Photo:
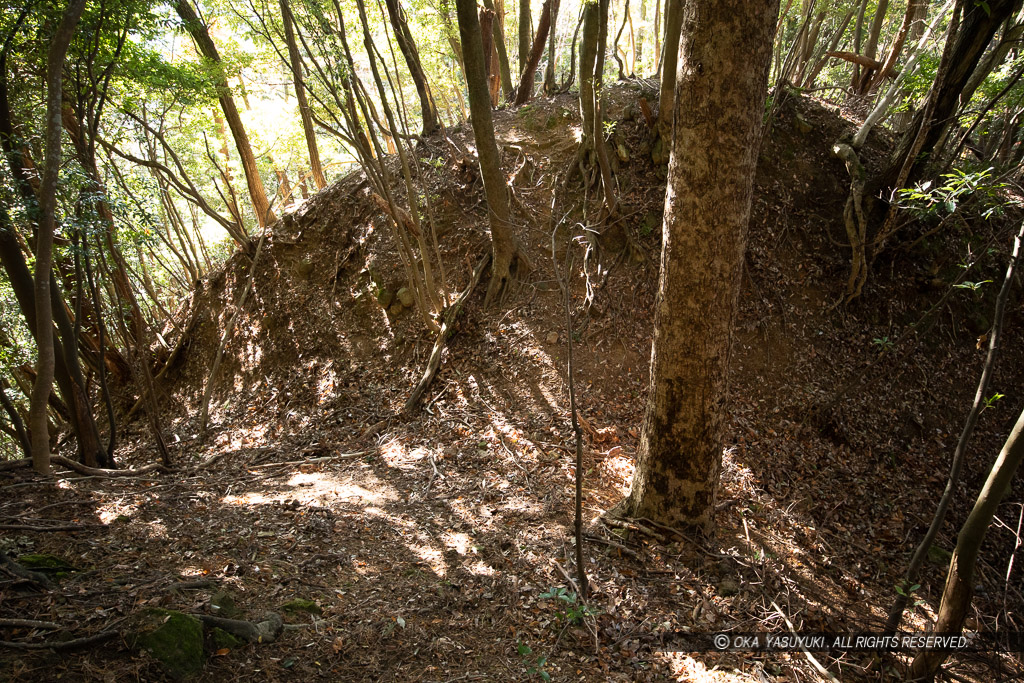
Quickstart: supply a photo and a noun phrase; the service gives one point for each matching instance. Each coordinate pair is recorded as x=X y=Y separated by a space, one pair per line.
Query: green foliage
x=931 y=199
x=883 y=343
x=534 y=665
x=991 y=400
x=573 y=610
x=972 y=286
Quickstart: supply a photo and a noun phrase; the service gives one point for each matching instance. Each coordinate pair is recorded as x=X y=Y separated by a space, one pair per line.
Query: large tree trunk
x=977 y=26
x=43 y=385
x=295 y=62
x=721 y=87
x=956 y=597
x=406 y=43
x=503 y=245
x=525 y=90
x=201 y=36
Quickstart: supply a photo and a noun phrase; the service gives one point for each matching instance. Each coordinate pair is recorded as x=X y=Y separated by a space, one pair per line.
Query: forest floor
x=435 y=548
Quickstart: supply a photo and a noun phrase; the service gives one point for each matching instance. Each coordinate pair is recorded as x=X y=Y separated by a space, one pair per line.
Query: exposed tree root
x=85 y=470
x=855 y=219
x=447 y=328
x=265 y=631
x=17 y=570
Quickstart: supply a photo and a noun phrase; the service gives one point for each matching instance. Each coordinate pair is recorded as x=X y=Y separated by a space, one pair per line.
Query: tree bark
x=721 y=87
x=503 y=246
x=406 y=43
x=295 y=62
x=43 y=385
x=525 y=90
x=201 y=36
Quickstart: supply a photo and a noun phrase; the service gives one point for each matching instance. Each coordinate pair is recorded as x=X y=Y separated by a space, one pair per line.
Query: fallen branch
x=447 y=329
x=856 y=59
x=810 y=658
x=29 y=623
x=310 y=461
x=58 y=527
x=597 y=539
x=65 y=645
x=15 y=464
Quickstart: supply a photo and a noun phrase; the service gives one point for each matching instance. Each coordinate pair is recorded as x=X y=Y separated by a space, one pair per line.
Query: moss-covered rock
x=385 y=297
x=223 y=603
x=222 y=640
x=298 y=605
x=172 y=638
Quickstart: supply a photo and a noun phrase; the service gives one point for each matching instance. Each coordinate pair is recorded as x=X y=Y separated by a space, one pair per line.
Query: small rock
x=620 y=149
x=396 y=308
x=727 y=587
x=305 y=269
x=552 y=338
x=405 y=296
x=385 y=297
x=802 y=124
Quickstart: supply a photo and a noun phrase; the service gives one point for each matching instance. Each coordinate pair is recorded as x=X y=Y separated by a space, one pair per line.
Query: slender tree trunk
x=201 y=36
x=295 y=62
x=525 y=31
x=525 y=90
x=43 y=385
x=914 y=8
x=550 y=82
x=871 y=48
x=913 y=150
x=17 y=425
x=956 y=597
x=499 y=55
x=406 y=43
x=723 y=75
x=1010 y=39
x=503 y=245
x=673 y=27
x=858 y=35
